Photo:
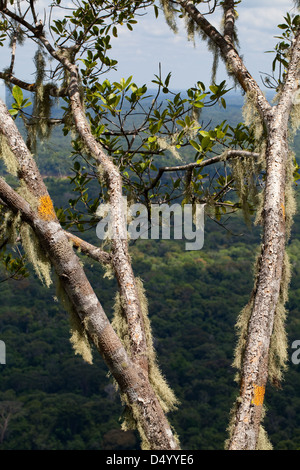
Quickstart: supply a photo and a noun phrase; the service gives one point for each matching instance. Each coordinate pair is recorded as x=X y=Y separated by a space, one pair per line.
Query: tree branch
x=130 y=376
x=229 y=20
x=234 y=62
x=227 y=155
x=88 y=249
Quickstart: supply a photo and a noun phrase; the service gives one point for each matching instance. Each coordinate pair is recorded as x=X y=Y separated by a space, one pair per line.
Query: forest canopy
x=155 y=149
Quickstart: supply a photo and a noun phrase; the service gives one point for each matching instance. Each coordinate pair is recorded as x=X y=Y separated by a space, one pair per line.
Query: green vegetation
x=51 y=399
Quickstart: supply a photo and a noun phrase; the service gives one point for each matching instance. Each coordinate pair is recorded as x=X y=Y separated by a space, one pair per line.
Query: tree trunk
x=254 y=374
x=131 y=378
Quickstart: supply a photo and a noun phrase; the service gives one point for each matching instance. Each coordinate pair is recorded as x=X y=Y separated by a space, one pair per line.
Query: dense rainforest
x=51 y=399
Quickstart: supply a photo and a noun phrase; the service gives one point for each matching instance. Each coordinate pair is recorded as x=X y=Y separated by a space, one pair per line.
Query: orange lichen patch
x=259 y=393
x=283 y=210
x=46 y=209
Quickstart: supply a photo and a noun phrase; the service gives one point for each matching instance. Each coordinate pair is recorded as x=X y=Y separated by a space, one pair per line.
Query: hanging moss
x=8 y=157
x=278 y=350
x=165 y=395
x=165 y=144
x=35 y=254
x=169 y=12
x=290 y=199
x=263 y=442
x=278 y=354
x=10 y=226
x=38 y=126
x=245 y=172
x=253 y=120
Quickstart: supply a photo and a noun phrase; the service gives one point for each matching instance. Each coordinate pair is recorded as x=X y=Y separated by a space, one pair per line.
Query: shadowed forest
x=51 y=399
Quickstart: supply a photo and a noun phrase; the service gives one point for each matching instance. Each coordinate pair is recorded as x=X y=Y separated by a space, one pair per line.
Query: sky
x=152 y=42
x=139 y=52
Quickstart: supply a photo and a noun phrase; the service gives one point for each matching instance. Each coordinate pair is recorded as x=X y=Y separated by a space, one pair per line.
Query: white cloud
x=152 y=42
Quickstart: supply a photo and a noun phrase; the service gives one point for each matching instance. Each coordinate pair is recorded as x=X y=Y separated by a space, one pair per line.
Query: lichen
x=165 y=395
x=278 y=352
x=170 y=146
x=263 y=442
x=35 y=254
x=245 y=172
x=169 y=12
x=10 y=226
x=45 y=208
x=26 y=194
x=8 y=157
x=259 y=395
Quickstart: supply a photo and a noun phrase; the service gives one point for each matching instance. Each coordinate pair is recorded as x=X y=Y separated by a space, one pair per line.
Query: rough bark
x=121 y=259
x=255 y=364
x=254 y=372
x=130 y=376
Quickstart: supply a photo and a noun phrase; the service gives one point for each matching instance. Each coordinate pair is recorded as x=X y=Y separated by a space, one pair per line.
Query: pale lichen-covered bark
x=39 y=214
x=129 y=368
x=256 y=356
x=254 y=374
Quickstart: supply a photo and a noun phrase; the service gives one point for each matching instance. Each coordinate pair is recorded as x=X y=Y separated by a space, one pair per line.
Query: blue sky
x=152 y=42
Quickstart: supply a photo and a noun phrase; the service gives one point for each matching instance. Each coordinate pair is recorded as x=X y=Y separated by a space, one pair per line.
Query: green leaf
x=195 y=145
x=17 y=94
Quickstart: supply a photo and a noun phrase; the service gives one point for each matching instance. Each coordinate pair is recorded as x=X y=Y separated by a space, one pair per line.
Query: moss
x=278 y=350
x=165 y=395
x=169 y=13
x=263 y=442
x=27 y=195
x=253 y=120
x=38 y=126
x=119 y=323
x=131 y=421
x=8 y=157
x=290 y=199
x=245 y=172
x=242 y=329
x=278 y=353
x=35 y=254
x=166 y=145
x=10 y=226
